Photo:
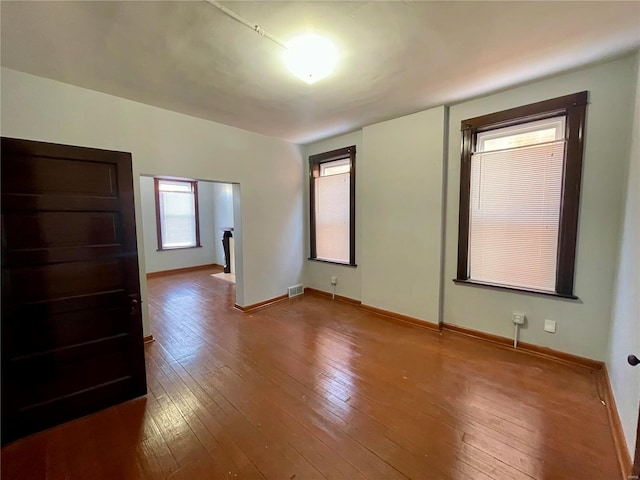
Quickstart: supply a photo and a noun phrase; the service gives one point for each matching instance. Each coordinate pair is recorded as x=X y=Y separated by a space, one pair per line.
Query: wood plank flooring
x=310 y=388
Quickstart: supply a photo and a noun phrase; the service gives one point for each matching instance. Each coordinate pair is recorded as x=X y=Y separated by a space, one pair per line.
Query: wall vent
x=295 y=290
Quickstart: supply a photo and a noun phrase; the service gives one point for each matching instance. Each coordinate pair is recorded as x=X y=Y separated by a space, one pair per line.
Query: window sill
x=177 y=248
x=475 y=283
x=344 y=264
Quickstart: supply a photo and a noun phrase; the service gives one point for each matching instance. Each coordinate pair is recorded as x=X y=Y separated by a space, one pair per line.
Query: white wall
x=222 y=216
x=318 y=274
x=159 y=261
x=401 y=198
x=583 y=326
x=268 y=170
x=625 y=316
x=237 y=235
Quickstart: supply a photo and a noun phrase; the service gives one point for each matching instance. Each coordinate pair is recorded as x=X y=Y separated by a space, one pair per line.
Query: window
x=332 y=182
x=177 y=213
x=519 y=196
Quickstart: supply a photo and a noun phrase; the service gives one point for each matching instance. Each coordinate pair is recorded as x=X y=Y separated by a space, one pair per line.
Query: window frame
x=573 y=107
x=194 y=188
x=315 y=161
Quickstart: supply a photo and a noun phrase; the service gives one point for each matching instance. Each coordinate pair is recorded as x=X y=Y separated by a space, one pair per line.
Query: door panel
x=51 y=175
x=44 y=230
x=54 y=281
x=61 y=372
x=71 y=326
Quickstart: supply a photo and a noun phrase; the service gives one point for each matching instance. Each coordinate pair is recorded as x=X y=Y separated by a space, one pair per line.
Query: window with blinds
x=516 y=192
x=332 y=185
x=519 y=196
x=177 y=214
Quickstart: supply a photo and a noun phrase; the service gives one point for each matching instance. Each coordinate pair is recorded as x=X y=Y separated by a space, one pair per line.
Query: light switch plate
x=550 y=326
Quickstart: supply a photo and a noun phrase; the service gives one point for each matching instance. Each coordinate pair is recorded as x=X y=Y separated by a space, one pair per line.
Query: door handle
x=633 y=360
x=134 y=304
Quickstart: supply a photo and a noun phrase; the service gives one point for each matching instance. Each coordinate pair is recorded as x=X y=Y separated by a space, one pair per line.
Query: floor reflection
x=106 y=445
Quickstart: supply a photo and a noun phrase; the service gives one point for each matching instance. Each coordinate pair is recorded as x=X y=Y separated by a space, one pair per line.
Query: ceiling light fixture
x=309 y=57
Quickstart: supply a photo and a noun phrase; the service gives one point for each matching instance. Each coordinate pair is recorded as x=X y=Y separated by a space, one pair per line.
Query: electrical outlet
x=334 y=280
x=517 y=318
x=550 y=326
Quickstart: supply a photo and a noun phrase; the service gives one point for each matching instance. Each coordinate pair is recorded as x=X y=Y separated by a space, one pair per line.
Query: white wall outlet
x=550 y=326
x=517 y=318
x=334 y=280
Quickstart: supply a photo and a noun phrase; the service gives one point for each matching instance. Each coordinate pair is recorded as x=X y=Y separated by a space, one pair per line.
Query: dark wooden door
x=71 y=324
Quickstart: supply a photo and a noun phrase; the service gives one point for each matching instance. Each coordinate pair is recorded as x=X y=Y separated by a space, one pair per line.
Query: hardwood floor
x=310 y=388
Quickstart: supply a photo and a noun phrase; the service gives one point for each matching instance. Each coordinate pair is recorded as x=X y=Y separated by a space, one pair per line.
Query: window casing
x=519 y=196
x=332 y=180
x=177 y=218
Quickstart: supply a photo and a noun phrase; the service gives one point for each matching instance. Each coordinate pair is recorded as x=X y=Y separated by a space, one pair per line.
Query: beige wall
x=625 y=315
x=269 y=248
x=398 y=207
x=401 y=198
x=583 y=325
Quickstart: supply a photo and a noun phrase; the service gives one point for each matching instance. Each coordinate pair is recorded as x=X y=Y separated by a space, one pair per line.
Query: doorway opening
x=192 y=224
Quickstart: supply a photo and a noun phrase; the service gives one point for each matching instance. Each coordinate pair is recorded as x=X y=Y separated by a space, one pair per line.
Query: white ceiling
x=398 y=57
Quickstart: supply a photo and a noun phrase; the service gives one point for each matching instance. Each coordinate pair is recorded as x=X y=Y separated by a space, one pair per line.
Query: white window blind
x=177 y=213
x=332 y=210
x=515 y=197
